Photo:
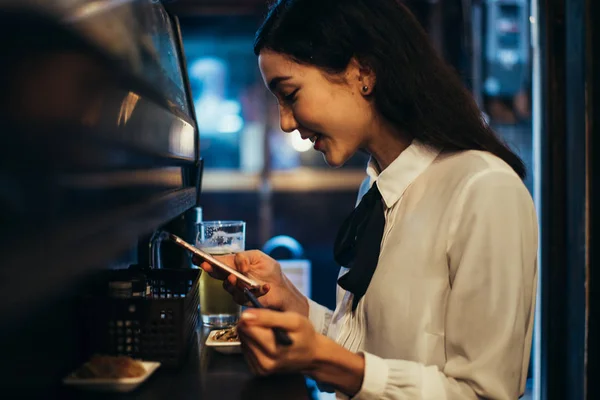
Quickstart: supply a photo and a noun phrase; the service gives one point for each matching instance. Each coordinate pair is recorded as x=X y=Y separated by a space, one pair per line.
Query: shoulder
x=474 y=170
x=486 y=188
x=477 y=184
x=472 y=162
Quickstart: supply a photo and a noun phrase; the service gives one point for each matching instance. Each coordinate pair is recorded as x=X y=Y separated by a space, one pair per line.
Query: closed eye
x=290 y=98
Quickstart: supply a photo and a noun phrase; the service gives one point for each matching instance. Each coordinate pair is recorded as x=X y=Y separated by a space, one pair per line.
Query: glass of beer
x=217 y=308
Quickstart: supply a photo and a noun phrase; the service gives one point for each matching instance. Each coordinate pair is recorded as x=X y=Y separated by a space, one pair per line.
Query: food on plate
x=227 y=335
x=110 y=367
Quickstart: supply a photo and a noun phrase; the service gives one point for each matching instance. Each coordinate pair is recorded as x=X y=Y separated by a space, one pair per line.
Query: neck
x=386 y=144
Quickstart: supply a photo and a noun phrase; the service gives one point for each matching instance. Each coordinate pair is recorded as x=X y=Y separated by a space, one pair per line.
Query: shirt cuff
x=319 y=316
x=375 y=379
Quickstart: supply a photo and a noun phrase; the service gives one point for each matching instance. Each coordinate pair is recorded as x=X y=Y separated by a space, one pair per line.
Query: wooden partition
x=99 y=149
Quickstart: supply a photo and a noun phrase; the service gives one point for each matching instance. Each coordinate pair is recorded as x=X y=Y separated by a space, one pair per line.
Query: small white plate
x=223 y=347
x=121 y=385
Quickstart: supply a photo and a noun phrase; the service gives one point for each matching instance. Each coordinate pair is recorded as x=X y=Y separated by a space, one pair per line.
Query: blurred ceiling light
x=230 y=123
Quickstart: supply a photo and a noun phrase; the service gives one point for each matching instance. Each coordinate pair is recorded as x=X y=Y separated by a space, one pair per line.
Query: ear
x=362 y=75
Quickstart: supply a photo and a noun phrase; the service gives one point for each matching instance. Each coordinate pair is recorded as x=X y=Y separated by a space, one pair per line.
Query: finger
x=213 y=272
x=251 y=360
x=256 y=291
x=243 y=299
x=238 y=297
x=228 y=288
x=263 y=363
x=232 y=279
x=260 y=340
x=256 y=256
x=242 y=262
x=240 y=286
x=264 y=289
x=207 y=267
x=289 y=321
x=197 y=260
x=226 y=258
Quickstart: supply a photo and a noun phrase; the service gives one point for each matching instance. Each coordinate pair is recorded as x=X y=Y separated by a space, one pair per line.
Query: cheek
x=312 y=112
x=336 y=116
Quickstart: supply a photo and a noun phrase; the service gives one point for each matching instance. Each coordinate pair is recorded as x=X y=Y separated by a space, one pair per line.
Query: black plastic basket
x=160 y=328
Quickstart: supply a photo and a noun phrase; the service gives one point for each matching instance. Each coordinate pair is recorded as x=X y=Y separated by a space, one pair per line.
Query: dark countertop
x=208 y=375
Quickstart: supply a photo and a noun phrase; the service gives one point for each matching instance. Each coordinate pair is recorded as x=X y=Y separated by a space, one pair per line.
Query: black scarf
x=358 y=243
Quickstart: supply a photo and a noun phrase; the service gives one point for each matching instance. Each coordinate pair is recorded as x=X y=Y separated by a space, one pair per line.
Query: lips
x=318 y=143
x=316 y=139
x=312 y=138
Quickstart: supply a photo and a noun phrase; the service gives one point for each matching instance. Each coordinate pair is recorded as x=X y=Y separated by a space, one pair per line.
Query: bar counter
x=208 y=375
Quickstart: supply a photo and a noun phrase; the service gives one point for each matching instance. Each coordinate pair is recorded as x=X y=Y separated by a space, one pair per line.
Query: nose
x=286 y=120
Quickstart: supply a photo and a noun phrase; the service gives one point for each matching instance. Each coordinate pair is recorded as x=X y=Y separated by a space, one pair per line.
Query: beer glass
x=217 y=308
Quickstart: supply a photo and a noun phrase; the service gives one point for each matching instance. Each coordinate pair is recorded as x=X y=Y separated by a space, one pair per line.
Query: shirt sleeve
x=492 y=261
x=319 y=316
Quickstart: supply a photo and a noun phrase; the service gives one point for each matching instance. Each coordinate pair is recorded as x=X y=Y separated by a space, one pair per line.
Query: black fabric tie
x=358 y=243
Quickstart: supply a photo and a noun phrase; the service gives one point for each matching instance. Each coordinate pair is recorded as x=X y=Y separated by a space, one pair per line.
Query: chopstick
x=281 y=336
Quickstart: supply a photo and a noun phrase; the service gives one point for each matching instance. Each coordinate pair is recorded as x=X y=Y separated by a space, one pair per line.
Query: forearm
x=337 y=367
x=366 y=376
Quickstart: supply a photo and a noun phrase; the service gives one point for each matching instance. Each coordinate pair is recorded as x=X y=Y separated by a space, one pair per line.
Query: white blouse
x=449 y=311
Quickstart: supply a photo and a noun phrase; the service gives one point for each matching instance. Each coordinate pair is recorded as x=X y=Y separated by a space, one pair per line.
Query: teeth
x=314 y=138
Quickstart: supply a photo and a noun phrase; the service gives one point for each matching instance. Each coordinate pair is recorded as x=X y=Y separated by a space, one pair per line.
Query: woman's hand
x=310 y=353
x=264 y=355
x=277 y=291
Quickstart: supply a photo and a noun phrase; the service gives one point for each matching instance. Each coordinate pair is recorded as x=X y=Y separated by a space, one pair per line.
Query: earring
x=365 y=89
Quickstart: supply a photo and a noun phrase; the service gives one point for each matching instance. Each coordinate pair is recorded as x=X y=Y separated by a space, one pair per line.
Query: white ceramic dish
x=122 y=385
x=223 y=347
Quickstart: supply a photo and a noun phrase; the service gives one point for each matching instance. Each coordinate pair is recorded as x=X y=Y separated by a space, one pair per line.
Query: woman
x=439 y=297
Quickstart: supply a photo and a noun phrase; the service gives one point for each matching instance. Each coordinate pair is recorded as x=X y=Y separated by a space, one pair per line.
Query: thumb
x=289 y=321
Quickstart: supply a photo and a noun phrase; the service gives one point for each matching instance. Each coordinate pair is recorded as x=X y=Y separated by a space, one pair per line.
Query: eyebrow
x=276 y=81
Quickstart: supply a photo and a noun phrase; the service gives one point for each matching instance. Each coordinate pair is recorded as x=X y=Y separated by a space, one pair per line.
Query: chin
x=335 y=161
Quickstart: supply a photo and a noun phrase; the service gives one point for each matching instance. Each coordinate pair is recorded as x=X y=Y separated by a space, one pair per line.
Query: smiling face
x=334 y=112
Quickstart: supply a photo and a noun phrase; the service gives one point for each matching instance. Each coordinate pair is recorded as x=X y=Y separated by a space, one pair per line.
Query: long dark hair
x=415 y=89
